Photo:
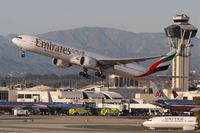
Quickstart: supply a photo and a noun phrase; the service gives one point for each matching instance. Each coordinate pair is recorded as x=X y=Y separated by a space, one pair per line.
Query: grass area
x=108 y=127
x=4 y=130
x=21 y=118
x=89 y=126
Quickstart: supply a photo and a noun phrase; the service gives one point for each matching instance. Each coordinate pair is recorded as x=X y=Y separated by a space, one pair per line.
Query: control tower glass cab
x=181 y=19
x=180 y=34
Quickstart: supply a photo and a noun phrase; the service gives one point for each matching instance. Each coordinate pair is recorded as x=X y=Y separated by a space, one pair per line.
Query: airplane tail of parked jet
x=159 y=94
x=176 y=95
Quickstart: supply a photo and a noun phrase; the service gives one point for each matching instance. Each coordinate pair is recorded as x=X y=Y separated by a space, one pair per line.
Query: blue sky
x=40 y=16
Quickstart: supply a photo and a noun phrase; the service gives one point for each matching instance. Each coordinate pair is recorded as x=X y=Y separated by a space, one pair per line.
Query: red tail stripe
x=154 y=66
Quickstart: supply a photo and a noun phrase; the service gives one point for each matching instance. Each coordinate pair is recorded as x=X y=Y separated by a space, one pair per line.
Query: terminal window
x=28 y=96
x=175 y=42
x=20 y=96
x=4 y=95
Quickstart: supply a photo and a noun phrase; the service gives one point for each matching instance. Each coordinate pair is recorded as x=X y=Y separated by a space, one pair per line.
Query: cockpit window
x=19 y=37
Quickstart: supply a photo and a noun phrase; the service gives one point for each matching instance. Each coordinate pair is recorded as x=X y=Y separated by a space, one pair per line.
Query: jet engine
x=60 y=63
x=85 y=61
x=88 y=61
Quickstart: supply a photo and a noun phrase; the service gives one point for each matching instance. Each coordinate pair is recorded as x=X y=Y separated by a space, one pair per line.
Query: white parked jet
x=184 y=122
x=65 y=56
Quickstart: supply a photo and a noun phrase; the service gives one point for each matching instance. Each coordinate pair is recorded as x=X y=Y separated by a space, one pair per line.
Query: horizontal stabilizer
x=170 y=76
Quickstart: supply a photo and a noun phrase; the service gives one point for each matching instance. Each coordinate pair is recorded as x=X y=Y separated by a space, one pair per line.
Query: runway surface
x=75 y=124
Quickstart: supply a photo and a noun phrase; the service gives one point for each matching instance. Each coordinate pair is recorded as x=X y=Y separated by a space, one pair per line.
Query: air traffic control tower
x=180 y=34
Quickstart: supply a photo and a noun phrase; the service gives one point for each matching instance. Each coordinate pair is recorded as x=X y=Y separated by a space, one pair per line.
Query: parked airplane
x=9 y=106
x=173 y=104
x=42 y=106
x=65 y=56
x=186 y=123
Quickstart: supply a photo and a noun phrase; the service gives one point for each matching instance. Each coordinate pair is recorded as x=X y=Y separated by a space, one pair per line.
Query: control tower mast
x=180 y=34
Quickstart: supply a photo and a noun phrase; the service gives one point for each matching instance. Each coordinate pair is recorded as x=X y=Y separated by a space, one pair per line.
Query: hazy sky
x=40 y=16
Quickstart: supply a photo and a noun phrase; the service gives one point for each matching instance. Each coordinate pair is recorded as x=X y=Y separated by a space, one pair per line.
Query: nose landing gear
x=22 y=54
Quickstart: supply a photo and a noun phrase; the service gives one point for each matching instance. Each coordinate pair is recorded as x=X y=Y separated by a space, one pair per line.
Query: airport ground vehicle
x=78 y=111
x=139 y=112
x=21 y=112
x=112 y=112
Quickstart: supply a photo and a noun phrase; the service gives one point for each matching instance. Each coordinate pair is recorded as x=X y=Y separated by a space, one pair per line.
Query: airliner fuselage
x=66 y=56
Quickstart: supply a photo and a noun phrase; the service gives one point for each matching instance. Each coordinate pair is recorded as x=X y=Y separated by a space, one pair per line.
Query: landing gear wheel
x=84 y=74
x=87 y=76
x=100 y=74
x=81 y=73
x=22 y=54
x=103 y=76
x=97 y=74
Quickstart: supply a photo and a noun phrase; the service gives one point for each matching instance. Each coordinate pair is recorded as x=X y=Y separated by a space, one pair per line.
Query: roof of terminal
x=93 y=95
x=40 y=88
x=72 y=94
x=4 y=88
x=112 y=95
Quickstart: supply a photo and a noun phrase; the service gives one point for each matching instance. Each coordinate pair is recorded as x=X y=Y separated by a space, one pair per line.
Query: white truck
x=21 y=112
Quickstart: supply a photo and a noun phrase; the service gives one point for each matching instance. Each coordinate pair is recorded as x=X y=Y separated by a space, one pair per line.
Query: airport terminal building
x=98 y=95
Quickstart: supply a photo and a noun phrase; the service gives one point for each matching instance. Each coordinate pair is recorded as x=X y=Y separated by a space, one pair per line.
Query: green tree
x=197 y=100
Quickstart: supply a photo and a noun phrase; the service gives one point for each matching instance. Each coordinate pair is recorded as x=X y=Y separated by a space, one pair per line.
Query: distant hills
x=107 y=41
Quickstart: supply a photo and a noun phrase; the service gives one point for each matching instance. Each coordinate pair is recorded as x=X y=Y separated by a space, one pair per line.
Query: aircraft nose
x=144 y=123
x=14 y=40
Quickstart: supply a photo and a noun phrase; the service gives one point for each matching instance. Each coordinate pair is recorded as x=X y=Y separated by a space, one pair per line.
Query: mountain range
x=106 y=41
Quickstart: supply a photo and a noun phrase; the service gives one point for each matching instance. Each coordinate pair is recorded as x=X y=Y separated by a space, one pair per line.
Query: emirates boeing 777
x=65 y=56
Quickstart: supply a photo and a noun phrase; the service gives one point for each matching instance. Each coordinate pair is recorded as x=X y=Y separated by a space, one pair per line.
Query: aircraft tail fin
x=176 y=95
x=161 y=65
x=159 y=94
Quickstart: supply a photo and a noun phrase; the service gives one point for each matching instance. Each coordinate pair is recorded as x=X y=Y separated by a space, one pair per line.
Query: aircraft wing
x=195 y=109
x=127 y=60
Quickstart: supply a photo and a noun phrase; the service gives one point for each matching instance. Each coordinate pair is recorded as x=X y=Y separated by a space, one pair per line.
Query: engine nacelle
x=85 y=61
x=60 y=63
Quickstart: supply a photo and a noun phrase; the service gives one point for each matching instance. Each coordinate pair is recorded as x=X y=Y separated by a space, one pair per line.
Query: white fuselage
x=185 y=122
x=67 y=54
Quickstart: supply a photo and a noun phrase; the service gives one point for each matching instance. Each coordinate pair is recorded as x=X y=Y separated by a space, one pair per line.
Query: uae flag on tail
x=163 y=63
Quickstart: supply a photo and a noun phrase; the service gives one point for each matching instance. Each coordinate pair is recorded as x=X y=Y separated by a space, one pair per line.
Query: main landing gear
x=100 y=74
x=84 y=73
